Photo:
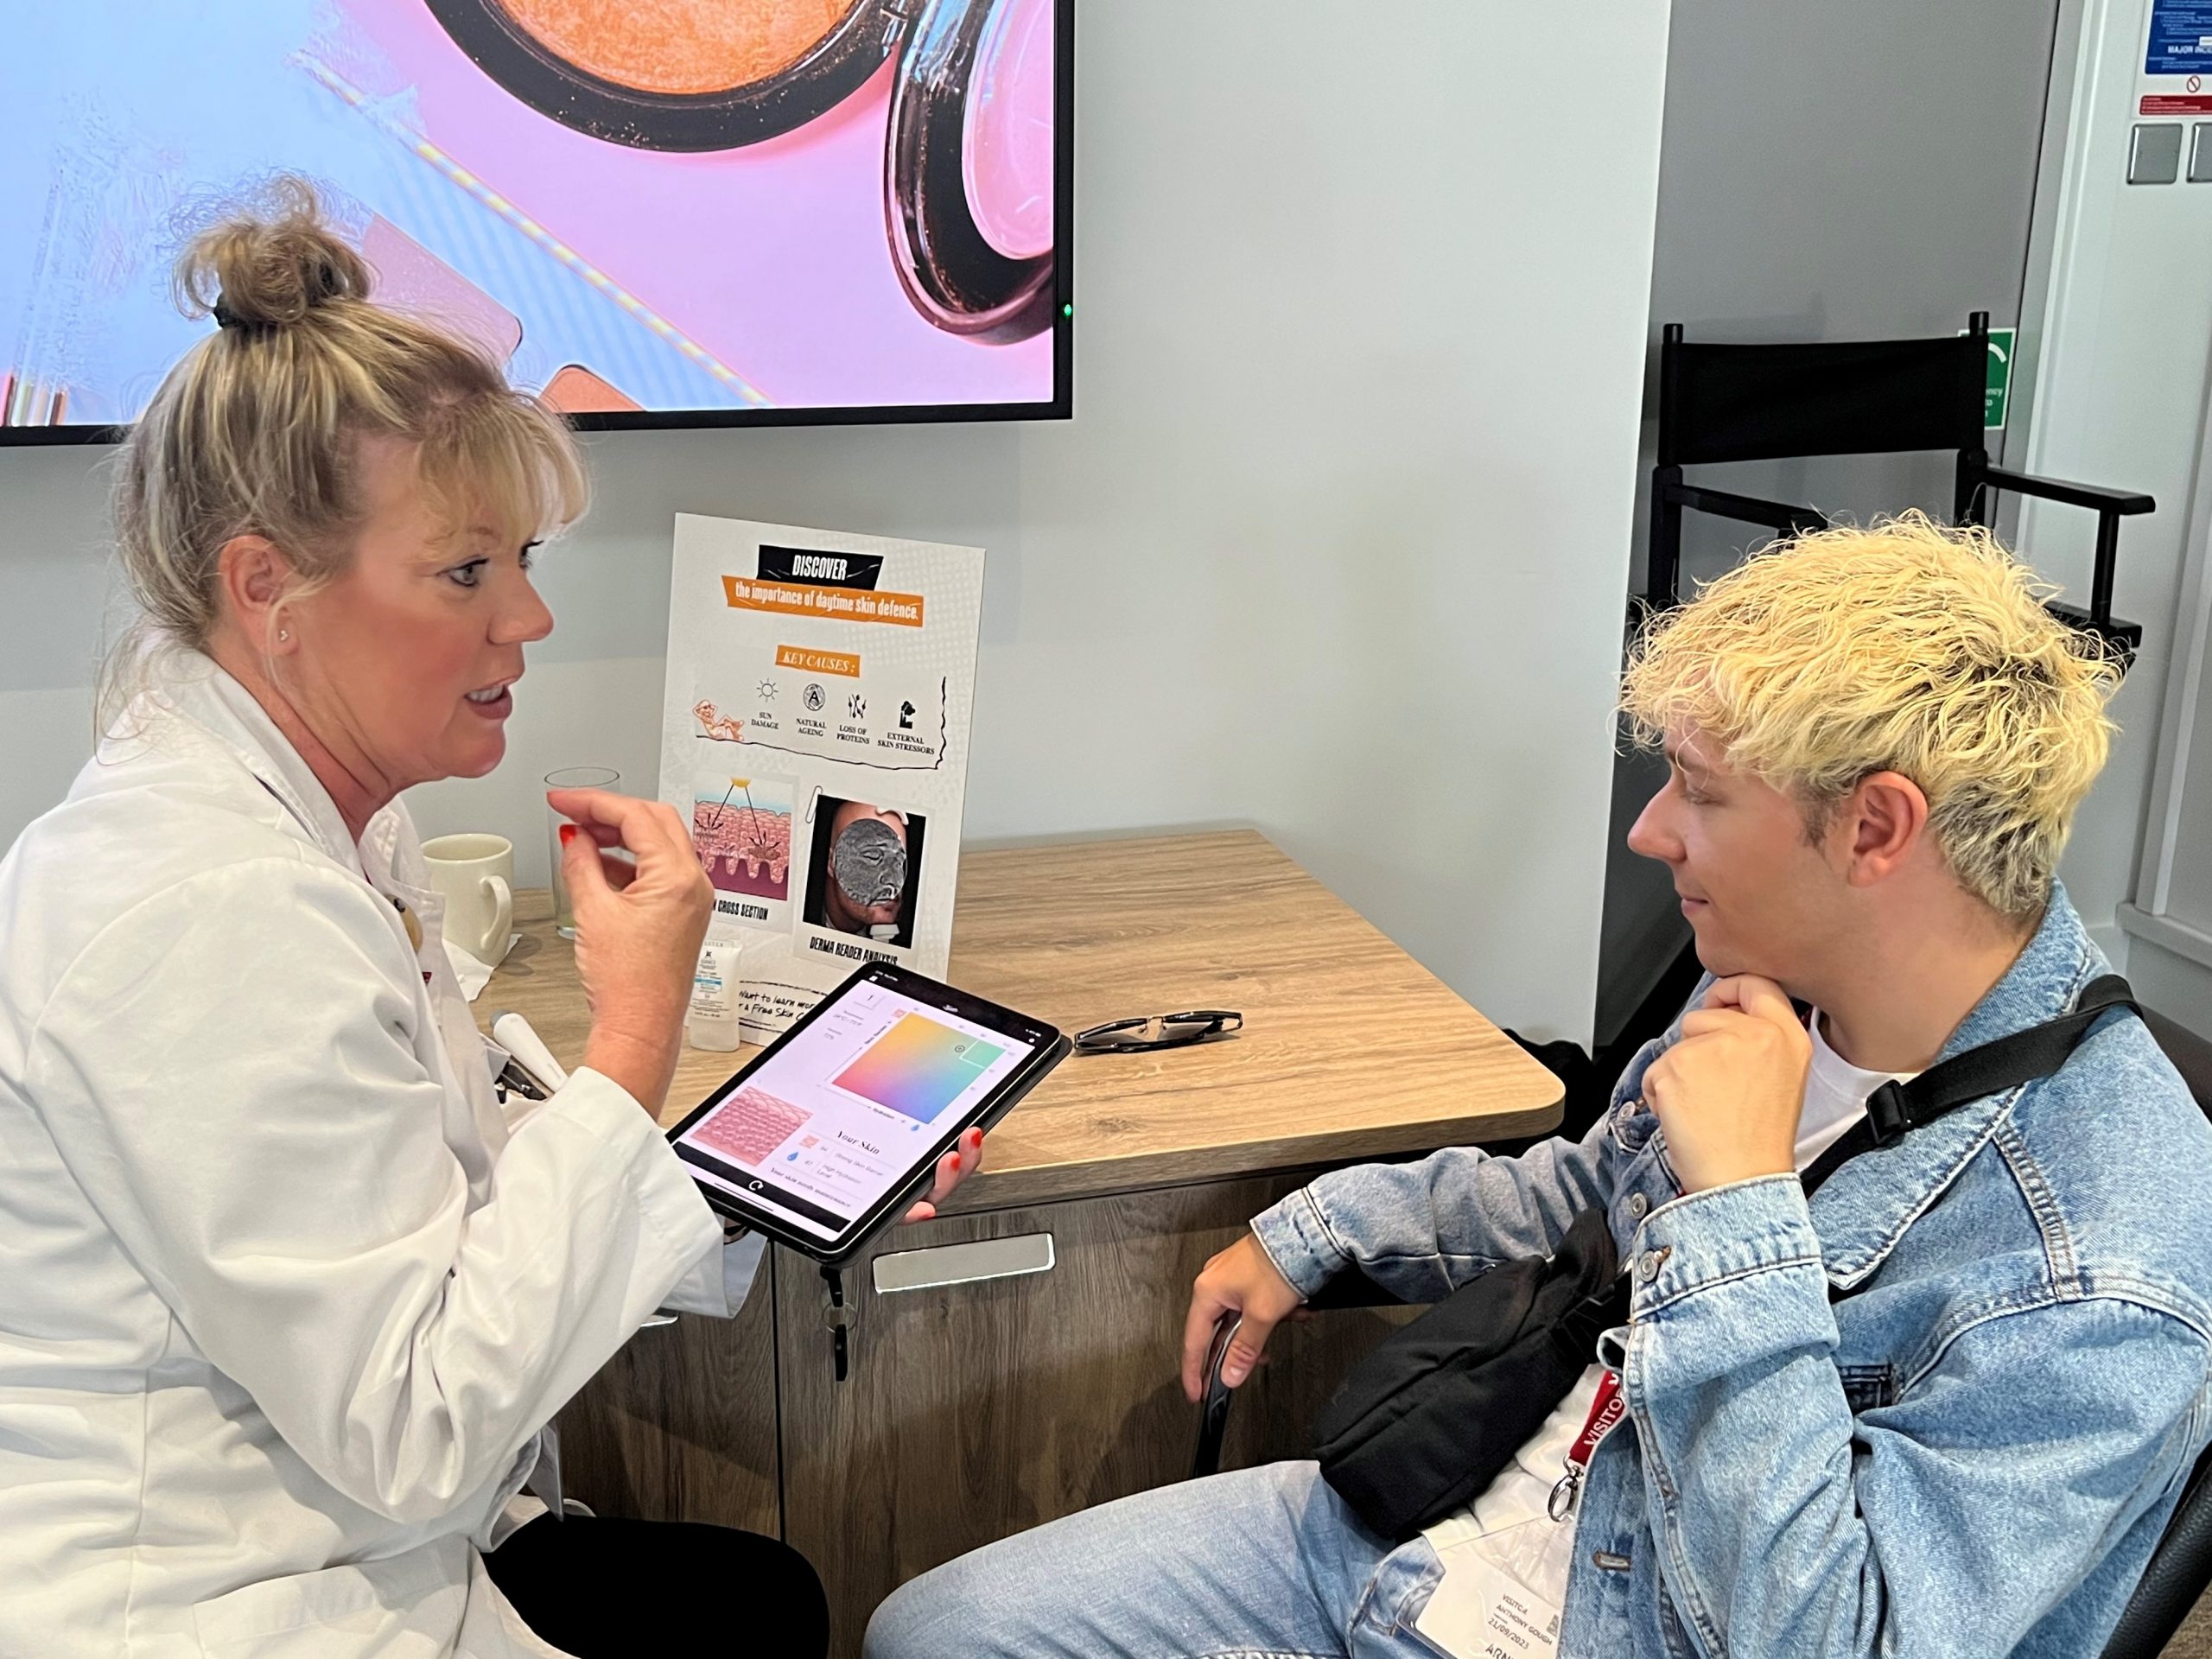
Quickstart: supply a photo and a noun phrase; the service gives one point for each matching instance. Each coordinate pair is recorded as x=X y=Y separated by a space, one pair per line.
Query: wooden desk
x=974 y=1410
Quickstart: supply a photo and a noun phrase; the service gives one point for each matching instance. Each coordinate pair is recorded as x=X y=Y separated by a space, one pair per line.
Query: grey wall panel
x=1826 y=172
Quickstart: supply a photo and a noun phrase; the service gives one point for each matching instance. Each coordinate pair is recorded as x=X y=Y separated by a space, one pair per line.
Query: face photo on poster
x=864 y=870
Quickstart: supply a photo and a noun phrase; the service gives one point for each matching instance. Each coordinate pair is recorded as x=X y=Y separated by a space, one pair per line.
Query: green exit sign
x=2000 y=380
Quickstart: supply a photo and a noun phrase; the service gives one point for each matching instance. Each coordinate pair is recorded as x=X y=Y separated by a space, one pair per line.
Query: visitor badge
x=1479 y=1610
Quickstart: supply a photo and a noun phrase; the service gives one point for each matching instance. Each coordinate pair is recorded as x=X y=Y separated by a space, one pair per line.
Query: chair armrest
x=2097 y=499
x=1750 y=509
x=2122 y=639
x=2110 y=506
x=1352 y=1290
x=1213 y=1405
x=1346 y=1290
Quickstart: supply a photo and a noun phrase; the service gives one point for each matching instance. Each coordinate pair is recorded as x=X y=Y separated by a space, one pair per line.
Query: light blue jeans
x=1261 y=1564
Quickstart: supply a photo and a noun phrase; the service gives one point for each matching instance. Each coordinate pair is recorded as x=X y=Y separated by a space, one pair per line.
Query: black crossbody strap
x=1895 y=1109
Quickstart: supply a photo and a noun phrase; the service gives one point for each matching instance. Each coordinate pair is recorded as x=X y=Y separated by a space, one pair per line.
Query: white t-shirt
x=1508 y=1527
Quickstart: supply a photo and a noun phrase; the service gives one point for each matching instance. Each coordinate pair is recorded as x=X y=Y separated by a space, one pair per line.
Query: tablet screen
x=844 y=1111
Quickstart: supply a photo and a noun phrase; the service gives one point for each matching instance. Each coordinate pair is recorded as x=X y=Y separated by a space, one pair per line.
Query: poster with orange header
x=814 y=734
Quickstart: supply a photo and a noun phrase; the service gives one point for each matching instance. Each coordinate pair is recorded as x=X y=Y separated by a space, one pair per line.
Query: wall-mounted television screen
x=686 y=212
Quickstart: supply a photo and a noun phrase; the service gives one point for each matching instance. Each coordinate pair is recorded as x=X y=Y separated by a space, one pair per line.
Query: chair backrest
x=1720 y=403
x=2190 y=1054
x=2181 y=1567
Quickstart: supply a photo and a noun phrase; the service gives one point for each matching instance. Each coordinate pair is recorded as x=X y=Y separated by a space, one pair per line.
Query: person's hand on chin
x=1728 y=1094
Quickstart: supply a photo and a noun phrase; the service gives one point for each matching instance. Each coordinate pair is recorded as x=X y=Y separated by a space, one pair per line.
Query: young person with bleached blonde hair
x=1944 y=1406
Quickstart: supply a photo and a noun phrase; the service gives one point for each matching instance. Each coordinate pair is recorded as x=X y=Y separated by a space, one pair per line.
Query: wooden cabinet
x=973 y=1410
x=968 y=1411
x=681 y=1424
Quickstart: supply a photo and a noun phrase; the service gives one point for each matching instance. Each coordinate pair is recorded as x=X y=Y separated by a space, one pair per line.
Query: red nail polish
x=568 y=833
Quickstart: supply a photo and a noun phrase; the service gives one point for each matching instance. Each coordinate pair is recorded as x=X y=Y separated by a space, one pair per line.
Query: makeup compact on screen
x=969 y=163
x=686 y=212
x=836 y=1127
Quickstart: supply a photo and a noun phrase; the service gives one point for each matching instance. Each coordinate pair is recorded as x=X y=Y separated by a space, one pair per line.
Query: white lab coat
x=284 y=1299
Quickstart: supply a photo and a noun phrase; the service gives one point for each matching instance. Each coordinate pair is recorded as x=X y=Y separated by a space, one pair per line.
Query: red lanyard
x=1605 y=1414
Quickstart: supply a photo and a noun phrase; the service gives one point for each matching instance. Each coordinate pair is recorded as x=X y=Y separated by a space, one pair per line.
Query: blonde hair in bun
x=256 y=429
x=269 y=269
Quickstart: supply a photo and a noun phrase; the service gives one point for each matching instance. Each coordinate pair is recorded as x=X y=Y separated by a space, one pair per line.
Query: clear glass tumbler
x=564 y=911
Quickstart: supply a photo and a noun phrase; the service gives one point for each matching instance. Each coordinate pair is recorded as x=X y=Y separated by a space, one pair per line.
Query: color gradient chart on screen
x=918 y=1067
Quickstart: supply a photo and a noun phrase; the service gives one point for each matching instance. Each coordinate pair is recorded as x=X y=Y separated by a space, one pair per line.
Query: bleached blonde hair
x=1905 y=647
x=256 y=430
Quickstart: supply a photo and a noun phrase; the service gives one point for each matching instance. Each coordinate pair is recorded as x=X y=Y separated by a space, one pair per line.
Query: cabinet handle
x=964 y=1264
x=834 y=1318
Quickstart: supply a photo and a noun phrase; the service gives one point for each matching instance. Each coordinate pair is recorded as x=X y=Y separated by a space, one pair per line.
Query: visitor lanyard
x=1605 y=1414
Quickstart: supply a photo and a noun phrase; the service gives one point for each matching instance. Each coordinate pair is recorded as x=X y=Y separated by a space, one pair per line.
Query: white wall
x=1335 y=545
x=2169 y=924
x=2128 y=338
x=2118 y=400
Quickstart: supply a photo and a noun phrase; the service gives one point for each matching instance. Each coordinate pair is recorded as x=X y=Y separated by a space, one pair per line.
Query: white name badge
x=1480 y=1612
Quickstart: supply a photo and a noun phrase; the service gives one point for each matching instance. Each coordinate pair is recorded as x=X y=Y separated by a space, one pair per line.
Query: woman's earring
x=283 y=634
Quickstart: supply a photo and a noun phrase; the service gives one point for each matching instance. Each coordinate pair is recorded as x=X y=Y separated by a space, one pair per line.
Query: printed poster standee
x=814 y=734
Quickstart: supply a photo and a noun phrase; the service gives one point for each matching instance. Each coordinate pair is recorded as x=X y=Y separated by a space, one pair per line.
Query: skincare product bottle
x=715 y=1024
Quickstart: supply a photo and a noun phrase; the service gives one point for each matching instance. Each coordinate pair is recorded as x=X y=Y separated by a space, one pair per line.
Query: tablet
x=834 y=1128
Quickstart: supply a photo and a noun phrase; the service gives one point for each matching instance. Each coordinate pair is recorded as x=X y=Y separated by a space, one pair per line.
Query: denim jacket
x=1971 y=1452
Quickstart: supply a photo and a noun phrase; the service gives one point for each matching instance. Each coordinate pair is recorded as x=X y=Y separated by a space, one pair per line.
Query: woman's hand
x=955 y=1167
x=639 y=930
x=1244 y=1280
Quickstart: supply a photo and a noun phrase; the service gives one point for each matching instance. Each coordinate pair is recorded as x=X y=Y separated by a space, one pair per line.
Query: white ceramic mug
x=475 y=875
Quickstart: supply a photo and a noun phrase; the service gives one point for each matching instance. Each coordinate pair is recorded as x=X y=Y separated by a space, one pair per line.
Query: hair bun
x=268 y=263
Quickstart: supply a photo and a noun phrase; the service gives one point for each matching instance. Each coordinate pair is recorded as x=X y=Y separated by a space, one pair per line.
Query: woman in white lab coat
x=286 y=1300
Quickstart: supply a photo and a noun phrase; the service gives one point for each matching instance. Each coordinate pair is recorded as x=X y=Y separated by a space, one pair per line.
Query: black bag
x=1427 y=1419
x=1422 y=1424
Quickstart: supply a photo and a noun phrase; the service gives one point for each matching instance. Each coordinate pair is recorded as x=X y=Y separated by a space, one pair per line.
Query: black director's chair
x=1847 y=397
